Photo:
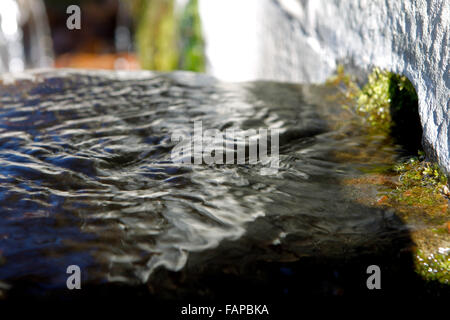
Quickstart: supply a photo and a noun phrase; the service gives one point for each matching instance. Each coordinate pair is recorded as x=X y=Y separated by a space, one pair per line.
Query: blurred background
x=115 y=34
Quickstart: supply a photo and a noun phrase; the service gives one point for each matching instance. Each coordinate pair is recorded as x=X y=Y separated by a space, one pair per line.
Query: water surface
x=86 y=178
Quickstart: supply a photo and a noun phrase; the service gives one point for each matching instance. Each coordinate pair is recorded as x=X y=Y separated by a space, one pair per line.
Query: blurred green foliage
x=156 y=34
x=168 y=40
x=192 y=46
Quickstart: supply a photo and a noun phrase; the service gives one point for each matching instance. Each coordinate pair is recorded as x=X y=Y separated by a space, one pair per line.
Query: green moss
x=434 y=267
x=417 y=172
x=373 y=100
x=441 y=230
x=420 y=186
x=387 y=103
x=349 y=89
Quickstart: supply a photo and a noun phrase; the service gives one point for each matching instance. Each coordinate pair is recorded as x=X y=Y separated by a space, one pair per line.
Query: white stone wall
x=303 y=40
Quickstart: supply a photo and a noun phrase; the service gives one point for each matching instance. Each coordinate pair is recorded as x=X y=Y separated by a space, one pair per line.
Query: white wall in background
x=232 y=34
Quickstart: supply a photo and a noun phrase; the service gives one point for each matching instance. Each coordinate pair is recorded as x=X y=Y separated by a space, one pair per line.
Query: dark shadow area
x=406 y=128
x=98 y=24
x=286 y=278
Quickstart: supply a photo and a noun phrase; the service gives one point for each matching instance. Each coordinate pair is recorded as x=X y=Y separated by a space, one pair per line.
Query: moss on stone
x=417 y=189
x=433 y=267
x=421 y=185
x=373 y=100
x=387 y=103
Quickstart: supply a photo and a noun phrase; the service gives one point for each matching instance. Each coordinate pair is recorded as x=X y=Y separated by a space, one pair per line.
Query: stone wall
x=303 y=40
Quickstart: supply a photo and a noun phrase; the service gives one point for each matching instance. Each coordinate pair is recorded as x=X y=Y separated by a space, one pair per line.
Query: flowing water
x=86 y=178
